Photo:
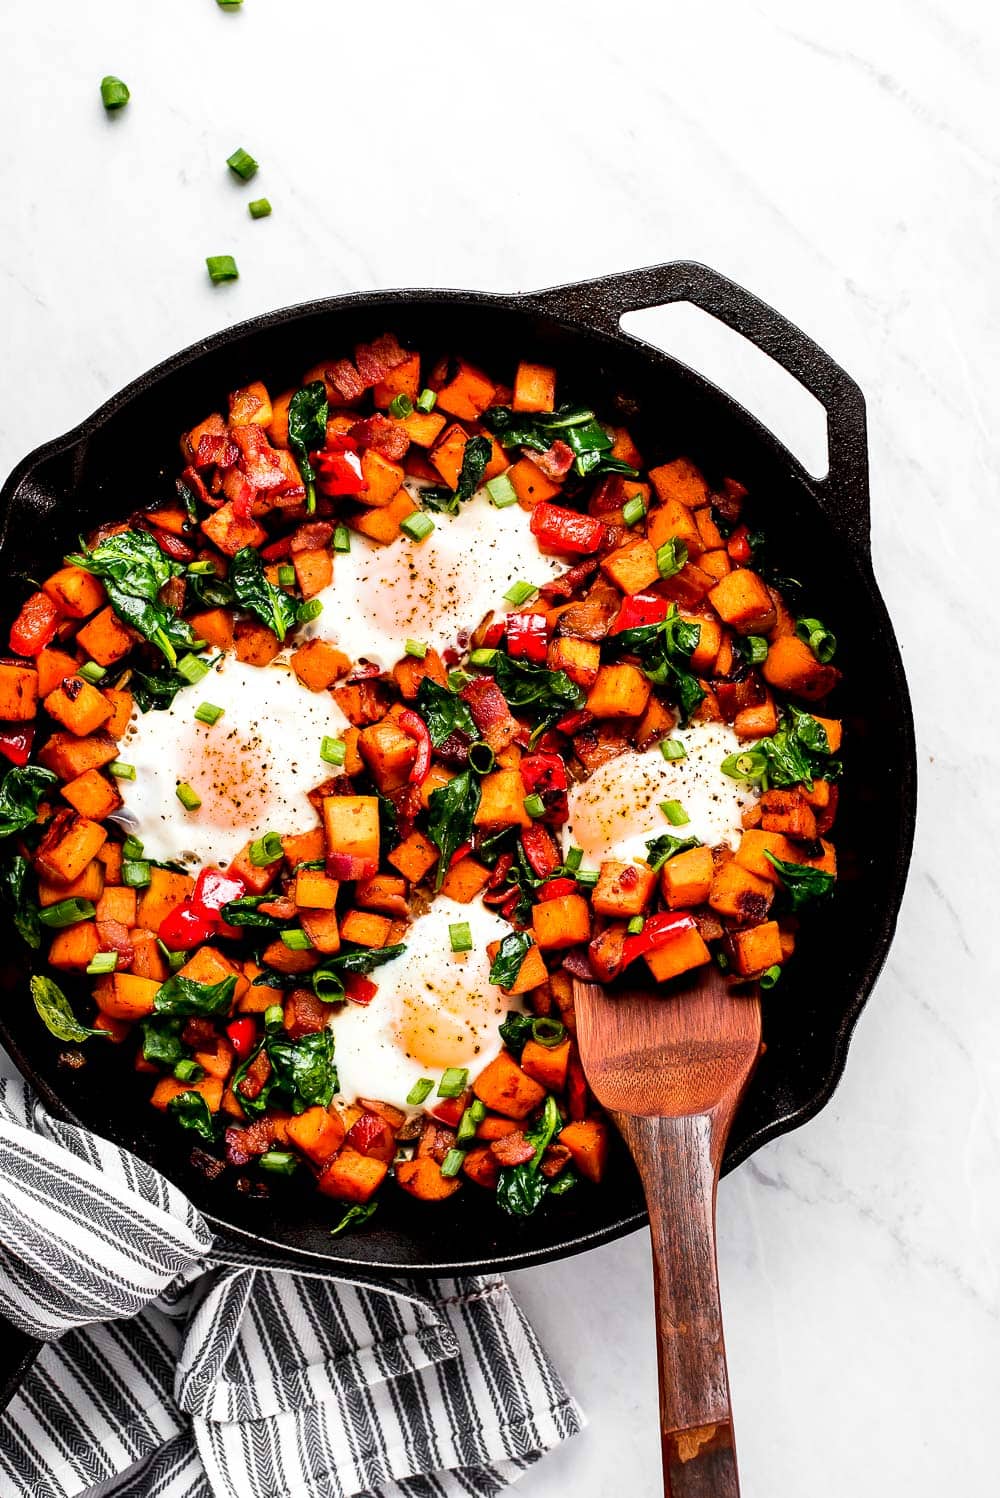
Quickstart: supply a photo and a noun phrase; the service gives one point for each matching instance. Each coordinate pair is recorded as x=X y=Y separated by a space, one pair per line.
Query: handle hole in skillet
x=743 y=371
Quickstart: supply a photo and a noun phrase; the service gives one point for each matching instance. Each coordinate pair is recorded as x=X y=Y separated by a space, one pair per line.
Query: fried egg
x=435 y=1008
x=252 y=769
x=617 y=810
x=430 y=590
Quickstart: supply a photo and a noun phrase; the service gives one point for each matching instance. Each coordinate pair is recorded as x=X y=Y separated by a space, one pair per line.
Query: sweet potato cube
x=76 y=592
x=105 y=639
x=502 y=801
x=167 y=1088
x=409 y=672
x=655 y=723
x=716 y=563
x=414 y=857
x=757 y=722
x=313 y=570
x=424 y=427
x=620 y=691
x=678 y=956
x=530 y=484
x=148 y=960
x=353 y=1177
x=587 y=1142
x=215 y=626
x=580 y=659
x=404 y=379
x=18 y=692
x=671 y=521
x=53 y=666
x=117 y=903
x=314 y=890
x=88 y=885
x=352 y=826
x=737 y=893
x=504 y=1088
x=623 y=889
x=318 y=1133
x=633 y=566
x=366 y=928
x=788 y=812
x=534 y=387
x=78 y=706
x=383 y=523
x=547 y=1064
x=706 y=652
x=209 y=965
x=165 y=890
x=250 y=406
x=686 y=879
x=255 y=644
x=529 y=974
x=448 y=454
x=74 y=947
x=682 y=481
x=467 y=394
x=382 y=477
x=792 y=667
x=742 y=601
x=122 y=707
x=757 y=948
x=284 y=960
x=317 y=664
x=561 y=923
x=69 y=844
x=388 y=753
x=481 y=1166
x=834 y=731
x=256 y=877
x=421 y=1177
x=230 y=533
x=128 y=997
x=304 y=847
x=92 y=795
x=465 y=880
x=711 y=537
x=755 y=844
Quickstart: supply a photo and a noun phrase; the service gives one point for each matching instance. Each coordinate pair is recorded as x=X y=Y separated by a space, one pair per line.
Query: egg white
x=434 y=1008
x=430 y=590
x=252 y=769
x=616 y=810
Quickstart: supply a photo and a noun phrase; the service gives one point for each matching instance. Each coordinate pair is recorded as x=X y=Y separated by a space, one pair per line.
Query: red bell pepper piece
x=638 y=610
x=554 y=889
x=346 y=866
x=186 y=926
x=339 y=473
x=495 y=633
x=413 y=724
x=543 y=772
x=540 y=851
x=242 y=1035
x=462 y=851
x=528 y=636
x=573 y=722
x=35 y=625
x=340 y=442
x=449 y=1110
x=15 y=741
x=738 y=546
x=275 y=551
x=558 y=529
x=359 y=989
x=366 y=1131
x=658 y=931
x=215 y=888
x=174 y=547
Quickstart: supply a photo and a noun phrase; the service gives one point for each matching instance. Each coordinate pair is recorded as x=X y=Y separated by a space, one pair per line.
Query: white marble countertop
x=842 y=162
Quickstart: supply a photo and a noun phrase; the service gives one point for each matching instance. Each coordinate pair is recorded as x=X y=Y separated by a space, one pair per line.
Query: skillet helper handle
x=603 y=302
x=678 y=1160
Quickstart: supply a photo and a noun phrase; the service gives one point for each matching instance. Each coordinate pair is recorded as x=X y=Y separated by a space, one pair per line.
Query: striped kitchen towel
x=178 y=1367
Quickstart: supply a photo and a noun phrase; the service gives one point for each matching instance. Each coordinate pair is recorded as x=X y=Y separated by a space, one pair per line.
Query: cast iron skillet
x=126 y=455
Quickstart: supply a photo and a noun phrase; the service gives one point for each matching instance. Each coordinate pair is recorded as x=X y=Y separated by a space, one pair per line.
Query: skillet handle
x=603 y=302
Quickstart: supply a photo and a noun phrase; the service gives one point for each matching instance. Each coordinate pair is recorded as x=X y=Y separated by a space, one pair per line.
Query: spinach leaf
x=55 y=1013
x=354 y=1217
x=512 y=429
x=577 y=426
x=515 y=1032
x=308 y=410
x=155 y=689
x=133 y=570
x=444 y=712
x=564 y=1181
x=211 y=592
x=801 y=883
x=797 y=754
x=244 y=912
x=664 y=651
x=161 y=1041
x=271 y=605
x=24 y=910
x=521 y=1188
x=436 y=497
x=327 y=979
x=185 y=996
x=507 y=963
x=475 y=457
x=304 y=1069
x=543 y=695
x=671 y=557
x=388 y=823
x=667 y=846
x=192 y=1112
x=451 y=816
x=21 y=789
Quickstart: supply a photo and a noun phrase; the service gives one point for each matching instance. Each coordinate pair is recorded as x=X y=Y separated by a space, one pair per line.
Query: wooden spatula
x=671 y=1072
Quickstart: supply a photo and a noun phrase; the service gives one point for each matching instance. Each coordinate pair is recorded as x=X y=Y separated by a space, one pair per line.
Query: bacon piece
x=345 y=380
x=305 y=1014
x=199 y=1033
x=490 y=713
x=556 y=462
x=252 y=1084
x=312 y=537
x=555 y=1159
x=382 y=435
x=242 y=1145
x=259 y=460
x=566 y=584
x=113 y=936
x=513 y=1149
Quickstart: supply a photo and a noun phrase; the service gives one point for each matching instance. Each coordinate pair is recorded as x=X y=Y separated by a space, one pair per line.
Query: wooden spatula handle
x=678 y=1159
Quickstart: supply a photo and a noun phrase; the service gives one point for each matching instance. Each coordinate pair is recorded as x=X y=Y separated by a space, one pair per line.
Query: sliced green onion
x=519 y=593
x=419 y=1091
x=470 y=1121
x=192 y=668
x=548 y=1031
x=426 y=401
x=481 y=757
x=207 y=712
x=341 y=539
x=820 y=640
x=243 y=164
x=771 y=977
x=458 y=679
x=309 y=610
x=587 y=877
x=266 y=850
x=453 y=1083
x=564 y=1181
x=296 y=940
x=200 y=569
x=635 y=925
x=278 y=1162
x=756 y=648
x=135 y=873
x=417 y=526
x=746 y=764
x=274 y=1017
x=286 y=577
x=722 y=962
x=460 y=936
x=672 y=749
x=229 y=4
x=674 y=813
x=633 y=510
x=482 y=657
x=332 y=751
x=534 y=806
x=174 y=960
x=671 y=556
x=92 y=672
x=573 y=859
x=188 y=796
x=400 y=407
x=416 y=648
x=67 y=912
x=501 y=491
x=259 y=208
x=452 y=1162
x=121 y=771
x=114 y=93
x=187 y=1070
x=102 y=962
x=132 y=848
x=221 y=268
